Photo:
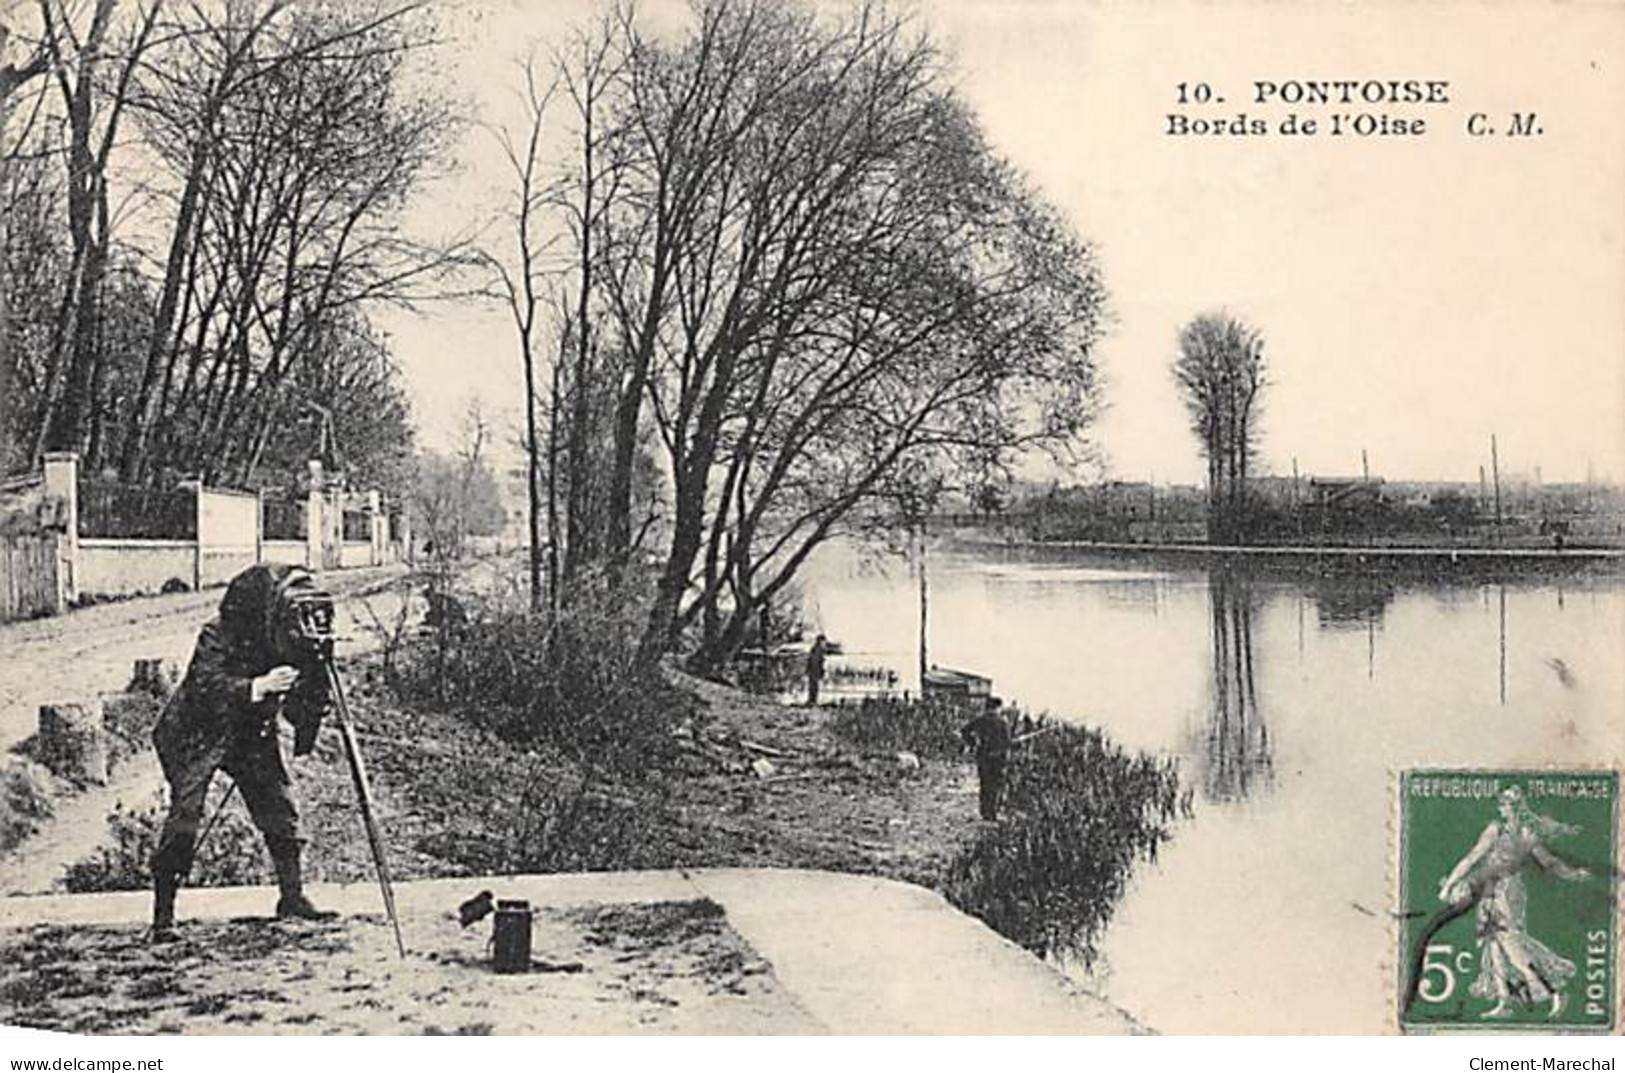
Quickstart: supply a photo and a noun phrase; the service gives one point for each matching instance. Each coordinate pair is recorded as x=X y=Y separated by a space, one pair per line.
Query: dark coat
x=815 y=658
x=211 y=713
x=990 y=734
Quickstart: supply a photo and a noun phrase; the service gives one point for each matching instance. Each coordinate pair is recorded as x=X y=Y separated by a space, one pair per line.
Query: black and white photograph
x=787 y=518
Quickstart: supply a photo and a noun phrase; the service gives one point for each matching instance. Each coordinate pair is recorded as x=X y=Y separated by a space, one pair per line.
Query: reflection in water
x=1237 y=750
x=1503 y=634
x=1352 y=601
x=1358 y=601
x=1263 y=684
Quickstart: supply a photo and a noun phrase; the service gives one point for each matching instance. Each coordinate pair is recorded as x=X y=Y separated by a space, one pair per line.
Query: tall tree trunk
x=140 y=416
x=533 y=467
x=578 y=549
x=68 y=424
x=553 y=588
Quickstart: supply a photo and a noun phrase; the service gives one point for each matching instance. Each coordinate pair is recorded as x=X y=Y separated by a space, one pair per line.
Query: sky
x=1416 y=294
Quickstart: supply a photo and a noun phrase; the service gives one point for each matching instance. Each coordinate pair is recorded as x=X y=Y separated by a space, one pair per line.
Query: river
x=1292 y=705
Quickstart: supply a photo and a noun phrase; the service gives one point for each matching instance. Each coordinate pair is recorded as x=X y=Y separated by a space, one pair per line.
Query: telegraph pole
x=1495 y=472
x=1297 y=503
x=925 y=606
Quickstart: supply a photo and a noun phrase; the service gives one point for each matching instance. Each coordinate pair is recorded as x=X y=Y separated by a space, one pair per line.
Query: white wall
x=219 y=567
x=228 y=521
x=283 y=551
x=129 y=567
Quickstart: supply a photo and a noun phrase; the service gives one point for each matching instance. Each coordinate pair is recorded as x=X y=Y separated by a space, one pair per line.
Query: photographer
x=251 y=662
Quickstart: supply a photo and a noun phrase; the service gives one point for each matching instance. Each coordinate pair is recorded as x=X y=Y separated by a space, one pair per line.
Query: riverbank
x=794 y=828
x=749 y=784
x=753 y=784
x=1474 y=563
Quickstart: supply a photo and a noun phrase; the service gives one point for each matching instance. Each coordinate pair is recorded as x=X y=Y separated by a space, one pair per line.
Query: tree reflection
x=1237 y=753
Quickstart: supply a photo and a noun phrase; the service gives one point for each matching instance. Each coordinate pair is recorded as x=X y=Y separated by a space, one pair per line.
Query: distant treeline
x=1280 y=511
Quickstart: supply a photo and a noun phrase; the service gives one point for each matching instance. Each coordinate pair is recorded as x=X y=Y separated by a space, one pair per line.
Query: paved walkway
x=861 y=955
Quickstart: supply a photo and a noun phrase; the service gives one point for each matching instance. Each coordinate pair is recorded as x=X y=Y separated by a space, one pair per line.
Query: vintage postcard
x=811 y=517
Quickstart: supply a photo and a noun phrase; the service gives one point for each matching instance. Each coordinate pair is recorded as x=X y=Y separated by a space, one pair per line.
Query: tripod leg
x=231 y=788
x=358 y=773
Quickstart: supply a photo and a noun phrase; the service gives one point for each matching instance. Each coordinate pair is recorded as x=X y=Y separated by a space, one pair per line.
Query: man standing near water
x=815 y=669
x=990 y=736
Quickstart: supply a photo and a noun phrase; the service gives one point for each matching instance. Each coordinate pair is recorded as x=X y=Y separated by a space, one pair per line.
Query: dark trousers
x=256 y=766
x=990 y=776
x=812 y=689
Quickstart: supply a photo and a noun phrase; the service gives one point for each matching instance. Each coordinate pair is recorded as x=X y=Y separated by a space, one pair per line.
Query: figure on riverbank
x=815 y=668
x=989 y=735
x=1513 y=965
x=244 y=671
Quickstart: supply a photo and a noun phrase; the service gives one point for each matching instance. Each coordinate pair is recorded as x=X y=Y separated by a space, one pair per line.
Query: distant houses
x=1318 y=509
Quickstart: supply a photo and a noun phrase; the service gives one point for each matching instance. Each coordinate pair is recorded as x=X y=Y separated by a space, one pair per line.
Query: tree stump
x=151 y=676
x=72 y=743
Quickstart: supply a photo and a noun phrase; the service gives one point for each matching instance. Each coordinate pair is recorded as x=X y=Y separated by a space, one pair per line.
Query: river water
x=1292 y=705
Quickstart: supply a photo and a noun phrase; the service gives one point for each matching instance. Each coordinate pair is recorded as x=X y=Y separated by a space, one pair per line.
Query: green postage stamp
x=1506 y=899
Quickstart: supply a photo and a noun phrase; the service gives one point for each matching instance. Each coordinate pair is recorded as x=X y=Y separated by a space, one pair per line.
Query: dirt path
x=89 y=651
x=75 y=657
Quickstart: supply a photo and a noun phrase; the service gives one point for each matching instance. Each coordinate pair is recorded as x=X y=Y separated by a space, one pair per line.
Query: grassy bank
x=710 y=777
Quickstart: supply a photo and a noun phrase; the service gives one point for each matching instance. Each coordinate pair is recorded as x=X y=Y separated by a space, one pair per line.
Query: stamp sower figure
x=1513 y=965
x=244 y=670
x=990 y=735
x=815 y=668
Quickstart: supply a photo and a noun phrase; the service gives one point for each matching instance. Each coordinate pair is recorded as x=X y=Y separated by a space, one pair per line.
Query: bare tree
x=1220 y=372
x=815 y=270
x=305 y=167
x=522 y=287
x=77 y=57
x=279 y=142
x=13 y=77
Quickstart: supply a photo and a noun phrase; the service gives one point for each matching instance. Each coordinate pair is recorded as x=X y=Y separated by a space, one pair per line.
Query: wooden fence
x=28 y=564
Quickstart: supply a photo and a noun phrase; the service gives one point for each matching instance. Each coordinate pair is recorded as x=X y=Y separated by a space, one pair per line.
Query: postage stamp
x=1506 y=899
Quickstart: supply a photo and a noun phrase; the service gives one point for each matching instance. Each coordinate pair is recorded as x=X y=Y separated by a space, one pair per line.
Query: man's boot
x=164 y=886
x=293 y=905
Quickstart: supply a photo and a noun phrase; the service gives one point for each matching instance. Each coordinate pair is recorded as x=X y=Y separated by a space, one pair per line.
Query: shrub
x=582 y=826
x=129 y=719
x=568 y=825
x=570 y=682
x=232 y=854
x=1078 y=813
x=25 y=801
x=888 y=724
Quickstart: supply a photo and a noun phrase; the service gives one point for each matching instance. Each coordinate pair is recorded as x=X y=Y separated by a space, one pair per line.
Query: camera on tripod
x=313 y=621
